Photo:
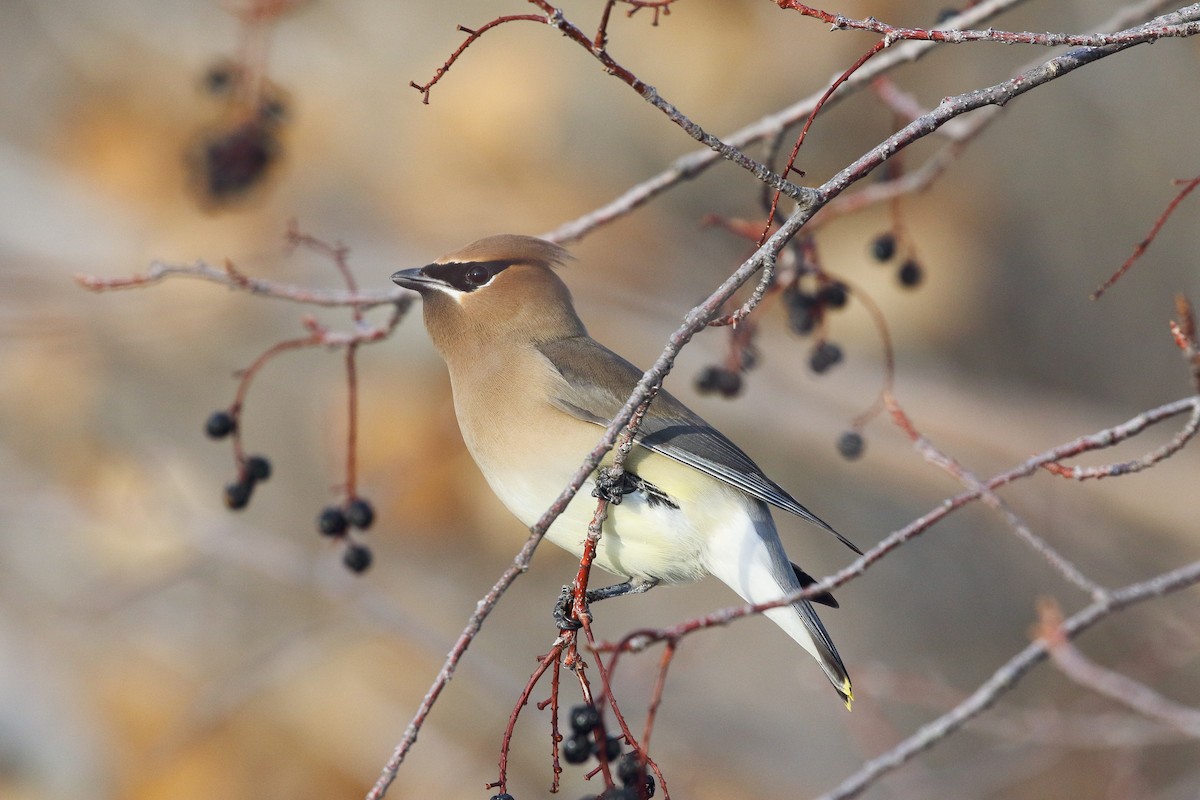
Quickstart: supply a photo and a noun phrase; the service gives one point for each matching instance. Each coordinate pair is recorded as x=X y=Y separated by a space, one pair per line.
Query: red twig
x=791 y=162
x=246 y=377
x=555 y=736
x=338 y=253
x=555 y=19
x=351 y=421
x=889 y=355
x=472 y=35
x=660 y=685
x=544 y=663
x=1144 y=244
x=1183 y=331
x=659 y=7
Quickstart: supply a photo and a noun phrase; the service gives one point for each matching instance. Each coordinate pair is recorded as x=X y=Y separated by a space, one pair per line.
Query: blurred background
x=155 y=645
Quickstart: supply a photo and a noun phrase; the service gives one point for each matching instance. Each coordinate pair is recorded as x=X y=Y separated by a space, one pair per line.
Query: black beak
x=414 y=279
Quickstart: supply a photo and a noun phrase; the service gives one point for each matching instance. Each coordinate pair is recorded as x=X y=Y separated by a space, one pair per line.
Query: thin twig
x=1113 y=685
x=695 y=163
x=1007 y=677
x=230 y=277
x=893 y=33
x=1145 y=243
x=937 y=457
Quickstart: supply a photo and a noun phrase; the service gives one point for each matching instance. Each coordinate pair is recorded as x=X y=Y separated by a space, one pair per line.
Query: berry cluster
x=252 y=470
x=335 y=522
x=237 y=154
x=720 y=380
x=806 y=312
x=883 y=249
x=583 y=743
x=726 y=379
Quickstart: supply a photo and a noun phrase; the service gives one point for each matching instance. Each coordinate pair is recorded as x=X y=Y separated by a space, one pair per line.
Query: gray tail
x=800 y=621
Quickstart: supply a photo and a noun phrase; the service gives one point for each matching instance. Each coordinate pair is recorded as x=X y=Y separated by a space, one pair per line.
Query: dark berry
x=502 y=796
x=612 y=748
x=850 y=444
x=824 y=356
x=228 y=163
x=584 y=719
x=357 y=558
x=729 y=383
x=360 y=514
x=803 y=310
x=630 y=768
x=833 y=295
x=258 y=468
x=884 y=246
x=220 y=424
x=577 y=749
x=331 y=521
x=237 y=494
x=721 y=380
x=910 y=274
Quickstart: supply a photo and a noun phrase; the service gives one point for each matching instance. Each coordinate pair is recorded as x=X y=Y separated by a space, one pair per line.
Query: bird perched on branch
x=533 y=393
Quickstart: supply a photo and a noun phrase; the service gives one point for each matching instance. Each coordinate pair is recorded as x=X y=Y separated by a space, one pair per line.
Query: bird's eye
x=478 y=276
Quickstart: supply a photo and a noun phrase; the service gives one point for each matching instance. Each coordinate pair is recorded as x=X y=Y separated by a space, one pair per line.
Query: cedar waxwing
x=533 y=392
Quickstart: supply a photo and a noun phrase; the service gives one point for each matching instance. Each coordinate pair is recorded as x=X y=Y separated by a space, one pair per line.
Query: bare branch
x=1144 y=244
x=893 y=33
x=232 y=278
x=693 y=164
x=1113 y=685
x=1007 y=677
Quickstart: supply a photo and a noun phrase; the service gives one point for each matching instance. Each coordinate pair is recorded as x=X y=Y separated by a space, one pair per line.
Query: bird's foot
x=613 y=487
x=631 y=586
x=564 y=616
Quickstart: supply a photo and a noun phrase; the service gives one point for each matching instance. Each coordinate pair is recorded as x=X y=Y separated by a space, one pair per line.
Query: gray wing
x=597 y=383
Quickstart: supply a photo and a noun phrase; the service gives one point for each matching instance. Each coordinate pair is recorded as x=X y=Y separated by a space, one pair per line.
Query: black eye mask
x=466 y=276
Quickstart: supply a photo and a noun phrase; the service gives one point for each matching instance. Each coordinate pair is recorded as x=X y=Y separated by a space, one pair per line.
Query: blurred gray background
x=155 y=645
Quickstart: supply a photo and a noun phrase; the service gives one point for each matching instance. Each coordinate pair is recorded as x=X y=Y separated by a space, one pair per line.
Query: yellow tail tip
x=847 y=693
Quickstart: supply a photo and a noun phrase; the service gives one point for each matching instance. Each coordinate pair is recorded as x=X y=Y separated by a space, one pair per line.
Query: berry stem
x=247 y=376
x=352 y=421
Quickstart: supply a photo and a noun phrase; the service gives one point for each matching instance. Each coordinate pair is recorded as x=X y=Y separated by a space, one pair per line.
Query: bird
x=532 y=392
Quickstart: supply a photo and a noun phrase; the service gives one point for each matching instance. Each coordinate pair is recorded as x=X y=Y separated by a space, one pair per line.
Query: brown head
x=499 y=289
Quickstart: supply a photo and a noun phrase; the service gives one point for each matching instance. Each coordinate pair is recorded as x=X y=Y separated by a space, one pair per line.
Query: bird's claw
x=564 y=616
x=613 y=488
